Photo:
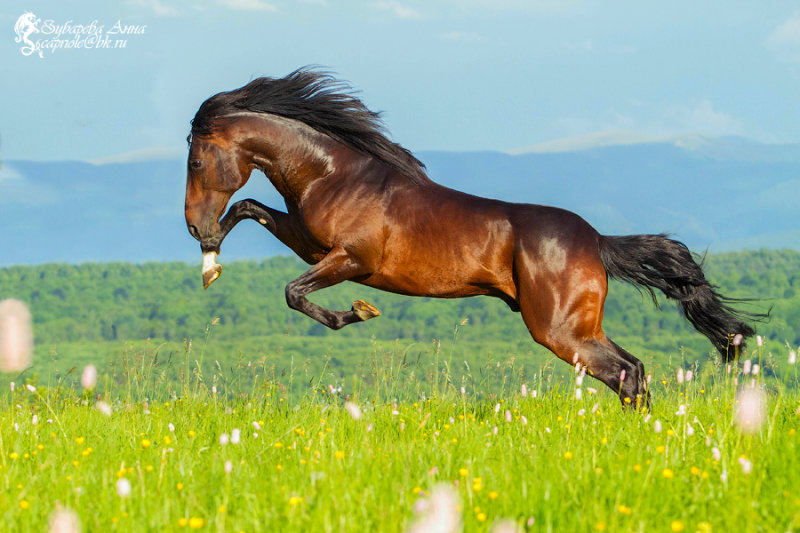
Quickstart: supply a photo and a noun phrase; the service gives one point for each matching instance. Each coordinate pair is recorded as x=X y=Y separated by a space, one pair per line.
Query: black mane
x=320 y=101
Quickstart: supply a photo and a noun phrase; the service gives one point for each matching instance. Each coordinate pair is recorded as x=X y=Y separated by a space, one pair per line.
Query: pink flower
x=747 y=465
x=89 y=377
x=223 y=439
x=508 y=416
x=524 y=390
x=746 y=367
x=622 y=375
x=751 y=409
x=759 y=341
x=680 y=375
x=716 y=454
x=354 y=410
x=438 y=513
x=737 y=339
x=16 y=336
x=64 y=521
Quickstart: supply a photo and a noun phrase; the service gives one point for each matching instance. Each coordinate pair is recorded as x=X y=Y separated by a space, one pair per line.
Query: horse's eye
x=196 y=163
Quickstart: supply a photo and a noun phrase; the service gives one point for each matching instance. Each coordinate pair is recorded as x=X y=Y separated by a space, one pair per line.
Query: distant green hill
x=84 y=310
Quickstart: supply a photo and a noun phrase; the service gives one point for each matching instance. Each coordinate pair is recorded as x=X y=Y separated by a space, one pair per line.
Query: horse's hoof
x=210 y=275
x=365 y=311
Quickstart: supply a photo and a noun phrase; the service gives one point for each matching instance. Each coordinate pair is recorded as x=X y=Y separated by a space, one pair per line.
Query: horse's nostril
x=193 y=231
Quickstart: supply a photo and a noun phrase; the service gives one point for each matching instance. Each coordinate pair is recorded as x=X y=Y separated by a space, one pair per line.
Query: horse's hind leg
x=564 y=313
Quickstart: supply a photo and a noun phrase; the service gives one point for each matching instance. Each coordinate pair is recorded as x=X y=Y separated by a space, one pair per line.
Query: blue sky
x=448 y=75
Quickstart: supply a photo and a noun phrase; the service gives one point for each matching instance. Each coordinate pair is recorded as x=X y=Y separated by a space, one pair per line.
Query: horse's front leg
x=275 y=221
x=337 y=266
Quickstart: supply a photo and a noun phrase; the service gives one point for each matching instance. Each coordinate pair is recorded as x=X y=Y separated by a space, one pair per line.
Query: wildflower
x=339 y=454
x=524 y=390
x=624 y=509
x=493 y=495
x=438 y=513
x=746 y=367
x=179 y=486
x=171 y=427
x=716 y=454
x=235 y=436
x=680 y=375
x=689 y=430
x=16 y=336
x=353 y=409
x=792 y=358
x=524 y=420
x=622 y=375
x=578 y=394
x=223 y=439
x=508 y=416
x=667 y=473
x=759 y=341
x=64 y=521
x=657 y=426
x=35 y=419
x=568 y=455
x=31 y=388
x=196 y=522
x=103 y=407
x=89 y=377
x=681 y=410
x=183 y=522
x=497 y=408
x=24 y=505
x=747 y=465
x=295 y=500
x=123 y=487
x=146 y=443
x=228 y=467
x=750 y=409
x=676 y=525
x=689 y=376
x=257 y=426
x=463 y=472
x=737 y=339
x=694 y=471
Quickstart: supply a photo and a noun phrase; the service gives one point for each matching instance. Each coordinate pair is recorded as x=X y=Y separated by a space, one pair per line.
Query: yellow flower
x=677 y=525
x=167 y=440
x=149 y=468
x=670 y=433
x=463 y=472
x=221 y=508
x=339 y=454
x=40 y=447
x=191 y=433
x=182 y=522
x=481 y=517
x=278 y=445
x=667 y=473
x=601 y=526
x=637 y=468
x=477 y=487
x=79 y=440
x=295 y=500
x=196 y=522
x=14 y=455
x=660 y=449
x=623 y=509
x=493 y=495
x=179 y=486
x=416 y=490
x=24 y=505
x=568 y=455
x=278 y=467
x=694 y=470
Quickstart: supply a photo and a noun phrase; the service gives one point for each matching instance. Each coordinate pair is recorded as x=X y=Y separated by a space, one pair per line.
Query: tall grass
x=546 y=460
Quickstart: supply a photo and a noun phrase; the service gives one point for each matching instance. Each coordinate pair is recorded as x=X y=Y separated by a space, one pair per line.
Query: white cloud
x=701 y=117
x=786 y=34
x=248 y=5
x=153 y=153
x=397 y=9
x=156 y=6
x=464 y=36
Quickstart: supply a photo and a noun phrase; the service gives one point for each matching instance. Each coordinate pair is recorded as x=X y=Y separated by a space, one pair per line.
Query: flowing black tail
x=657 y=262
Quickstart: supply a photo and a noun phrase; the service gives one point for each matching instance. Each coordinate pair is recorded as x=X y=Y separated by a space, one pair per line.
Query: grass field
x=144 y=453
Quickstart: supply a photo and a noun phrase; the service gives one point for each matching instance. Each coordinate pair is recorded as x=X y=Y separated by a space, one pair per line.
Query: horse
x=361 y=208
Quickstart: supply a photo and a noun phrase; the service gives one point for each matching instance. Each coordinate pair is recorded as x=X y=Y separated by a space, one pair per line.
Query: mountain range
x=715 y=193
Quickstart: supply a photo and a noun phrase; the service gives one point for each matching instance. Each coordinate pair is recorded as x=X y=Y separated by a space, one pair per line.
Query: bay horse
x=361 y=208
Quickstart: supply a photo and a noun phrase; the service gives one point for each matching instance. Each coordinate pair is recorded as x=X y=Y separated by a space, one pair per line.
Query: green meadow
x=223 y=411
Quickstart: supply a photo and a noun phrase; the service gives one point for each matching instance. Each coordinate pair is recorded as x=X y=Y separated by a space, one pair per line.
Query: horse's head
x=216 y=170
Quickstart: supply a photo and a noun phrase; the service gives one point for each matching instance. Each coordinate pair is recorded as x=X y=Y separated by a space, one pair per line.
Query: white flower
x=737 y=339
x=792 y=360
x=524 y=390
x=681 y=410
x=16 y=336
x=12 y=384
x=746 y=367
x=759 y=340
x=123 y=487
x=680 y=375
x=689 y=430
x=578 y=394
x=256 y=426
x=35 y=419
x=171 y=427
x=508 y=415
x=235 y=436
x=223 y=439
x=89 y=377
x=31 y=388
x=657 y=426
x=353 y=409
x=716 y=454
x=228 y=467
x=497 y=408
x=747 y=465
x=755 y=369
x=64 y=521
x=104 y=408
x=689 y=376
